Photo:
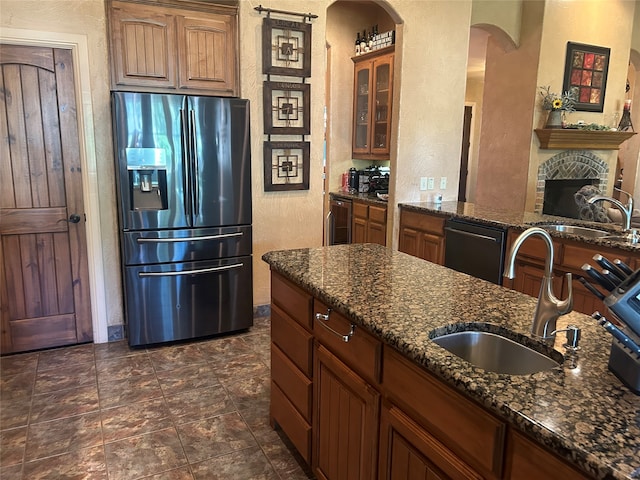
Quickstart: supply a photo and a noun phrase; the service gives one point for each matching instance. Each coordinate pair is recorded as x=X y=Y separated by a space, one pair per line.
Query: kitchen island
x=585 y=415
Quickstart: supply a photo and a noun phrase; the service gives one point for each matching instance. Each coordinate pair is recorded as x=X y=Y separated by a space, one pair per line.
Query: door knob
x=74 y=218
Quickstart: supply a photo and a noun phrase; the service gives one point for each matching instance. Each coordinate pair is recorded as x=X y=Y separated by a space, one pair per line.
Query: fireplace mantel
x=570 y=138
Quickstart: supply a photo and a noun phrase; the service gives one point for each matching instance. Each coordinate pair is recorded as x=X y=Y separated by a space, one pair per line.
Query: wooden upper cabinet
x=164 y=49
x=372 y=104
x=207 y=53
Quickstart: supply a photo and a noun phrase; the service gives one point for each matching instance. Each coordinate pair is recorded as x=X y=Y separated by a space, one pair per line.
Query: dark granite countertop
x=585 y=415
x=361 y=197
x=503 y=218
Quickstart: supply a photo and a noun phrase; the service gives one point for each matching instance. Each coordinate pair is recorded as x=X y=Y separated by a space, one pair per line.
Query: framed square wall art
x=286 y=166
x=585 y=75
x=286 y=48
x=286 y=108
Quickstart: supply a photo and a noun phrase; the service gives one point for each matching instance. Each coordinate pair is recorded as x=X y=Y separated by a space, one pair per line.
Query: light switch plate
x=443 y=183
x=423 y=183
x=430 y=183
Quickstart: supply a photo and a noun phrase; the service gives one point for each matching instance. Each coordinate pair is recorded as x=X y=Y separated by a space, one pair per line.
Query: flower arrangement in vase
x=557 y=106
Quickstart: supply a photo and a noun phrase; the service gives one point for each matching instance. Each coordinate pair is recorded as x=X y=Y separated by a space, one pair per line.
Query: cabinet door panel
x=359 y=230
x=376 y=233
x=207 y=56
x=432 y=248
x=345 y=421
x=407 y=451
x=470 y=432
x=143 y=46
x=409 y=241
x=526 y=460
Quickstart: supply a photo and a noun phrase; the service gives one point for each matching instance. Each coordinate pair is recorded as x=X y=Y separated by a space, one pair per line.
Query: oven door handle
x=191 y=272
x=188 y=239
x=470 y=234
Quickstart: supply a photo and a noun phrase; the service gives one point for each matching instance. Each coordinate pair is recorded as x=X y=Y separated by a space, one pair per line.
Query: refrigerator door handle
x=188 y=239
x=186 y=181
x=191 y=272
x=194 y=156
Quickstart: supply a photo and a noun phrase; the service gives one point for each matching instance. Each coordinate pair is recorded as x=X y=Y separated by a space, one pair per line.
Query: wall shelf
x=570 y=138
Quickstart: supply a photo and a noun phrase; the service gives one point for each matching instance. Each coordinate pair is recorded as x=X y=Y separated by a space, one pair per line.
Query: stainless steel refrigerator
x=184 y=185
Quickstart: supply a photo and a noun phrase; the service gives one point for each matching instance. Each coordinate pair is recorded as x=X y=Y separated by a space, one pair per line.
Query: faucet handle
x=629 y=198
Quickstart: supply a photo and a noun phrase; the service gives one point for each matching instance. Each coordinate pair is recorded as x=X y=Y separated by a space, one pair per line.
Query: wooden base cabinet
x=351 y=419
x=345 y=422
x=422 y=235
x=291 y=407
x=527 y=460
x=409 y=452
x=369 y=223
x=159 y=48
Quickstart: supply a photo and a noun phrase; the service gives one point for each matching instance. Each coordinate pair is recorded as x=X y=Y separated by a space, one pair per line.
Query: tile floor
x=189 y=411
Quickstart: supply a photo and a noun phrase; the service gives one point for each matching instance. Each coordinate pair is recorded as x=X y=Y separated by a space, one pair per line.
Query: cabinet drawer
x=422 y=222
x=292 y=382
x=575 y=256
x=362 y=352
x=377 y=214
x=360 y=209
x=294 y=301
x=464 y=427
x=292 y=339
x=292 y=423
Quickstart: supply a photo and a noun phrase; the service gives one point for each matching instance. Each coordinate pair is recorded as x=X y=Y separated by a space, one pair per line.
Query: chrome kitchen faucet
x=548 y=308
x=626 y=210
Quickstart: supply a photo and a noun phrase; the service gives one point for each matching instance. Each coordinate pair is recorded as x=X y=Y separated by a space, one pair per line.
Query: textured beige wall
x=605 y=23
x=85 y=18
x=431 y=61
x=282 y=220
x=507 y=15
x=509 y=96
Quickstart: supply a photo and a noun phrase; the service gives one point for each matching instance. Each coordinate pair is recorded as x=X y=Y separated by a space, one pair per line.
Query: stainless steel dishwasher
x=475 y=249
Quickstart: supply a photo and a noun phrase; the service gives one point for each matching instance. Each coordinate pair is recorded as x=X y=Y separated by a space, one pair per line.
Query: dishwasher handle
x=472 y=235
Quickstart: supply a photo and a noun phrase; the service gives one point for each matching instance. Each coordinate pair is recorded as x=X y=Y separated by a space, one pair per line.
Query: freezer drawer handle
x=188 y=239
x=469 y=234
x=325 y=317
x=190 y=272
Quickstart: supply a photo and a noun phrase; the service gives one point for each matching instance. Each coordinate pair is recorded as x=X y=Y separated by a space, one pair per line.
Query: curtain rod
x=269 y=11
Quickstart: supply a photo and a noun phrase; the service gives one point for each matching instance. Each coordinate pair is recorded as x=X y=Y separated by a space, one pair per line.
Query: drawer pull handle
x=325 y=317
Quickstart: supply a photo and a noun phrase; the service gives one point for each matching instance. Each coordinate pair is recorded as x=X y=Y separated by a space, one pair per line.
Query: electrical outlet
x=423 y=183
x=443 y=183
x=430 y=183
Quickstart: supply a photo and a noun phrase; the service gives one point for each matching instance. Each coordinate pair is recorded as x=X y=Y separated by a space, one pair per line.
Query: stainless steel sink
x=574 y=230
x=631 y=238
x=495 y=353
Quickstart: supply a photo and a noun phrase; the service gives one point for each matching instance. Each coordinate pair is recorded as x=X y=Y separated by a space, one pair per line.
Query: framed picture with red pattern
x=585 y=75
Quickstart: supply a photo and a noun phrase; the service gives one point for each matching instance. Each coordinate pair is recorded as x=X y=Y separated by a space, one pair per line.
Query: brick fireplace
x=571 y=165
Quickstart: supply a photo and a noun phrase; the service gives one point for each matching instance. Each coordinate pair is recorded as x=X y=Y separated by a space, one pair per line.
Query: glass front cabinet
x=372 y=98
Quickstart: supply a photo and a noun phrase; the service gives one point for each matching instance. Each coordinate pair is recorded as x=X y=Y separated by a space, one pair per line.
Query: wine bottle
x=370 y=39
x=358 y=50
x=363 y=42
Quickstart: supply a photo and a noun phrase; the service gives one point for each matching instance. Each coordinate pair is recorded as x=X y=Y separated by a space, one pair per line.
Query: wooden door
x=464 y=156
x=345 y=422
x=43 y=251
